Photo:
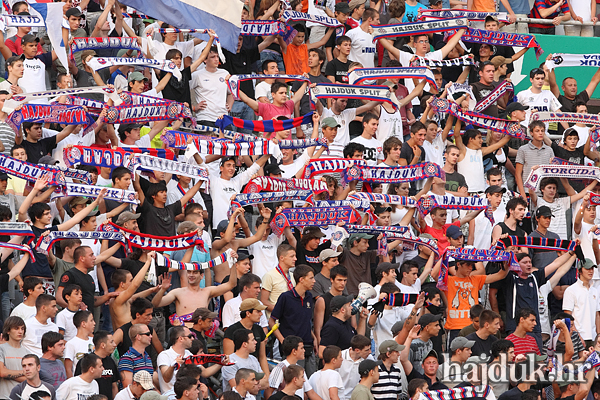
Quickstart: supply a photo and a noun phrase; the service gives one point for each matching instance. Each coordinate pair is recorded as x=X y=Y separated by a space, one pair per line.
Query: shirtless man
x=188 y=299
x=126 y=286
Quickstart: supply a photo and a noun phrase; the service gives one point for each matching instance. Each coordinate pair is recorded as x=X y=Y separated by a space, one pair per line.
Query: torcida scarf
x=561 y=171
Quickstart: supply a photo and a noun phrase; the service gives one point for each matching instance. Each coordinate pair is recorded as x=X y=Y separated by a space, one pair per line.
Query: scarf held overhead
x=409 y=173
x=499 y=38
x=421 y=28
x=238 y=137
x=573 y=60
x=257 y=148
x=264 y=183
x=169 y=66
x=360 y=75
x=540 y=243
x=464 y=61
x=45 y=242
x=316 y=216
x=337 y=91
x=480 y=392
x=109 y=158
x=79 y=189
x=561 y=171
x=234 y=80
x=151 y=163
x=270 y=125
x=31 y=172
x=11 y=104
x=197 y=33
x=99 y=43
x=475 y=255
x=156 y=243
x=17 y=229
x=51 y=113
x=468 y=14
x=451 y=202
x=384 y=198
x=330 y=165
x=133 y=114
x=250 y=199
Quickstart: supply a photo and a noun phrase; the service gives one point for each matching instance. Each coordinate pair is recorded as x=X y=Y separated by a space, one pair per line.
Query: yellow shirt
x=275 y=283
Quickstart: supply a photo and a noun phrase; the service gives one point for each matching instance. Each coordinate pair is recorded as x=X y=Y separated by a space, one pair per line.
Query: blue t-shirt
x=412 y=12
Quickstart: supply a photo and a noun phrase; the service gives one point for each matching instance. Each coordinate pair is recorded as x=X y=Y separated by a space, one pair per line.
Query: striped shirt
x=389 y=386
x=132 y=361
x=7 y=137
x=529 y=155
x=524 y=345
x=542 y=5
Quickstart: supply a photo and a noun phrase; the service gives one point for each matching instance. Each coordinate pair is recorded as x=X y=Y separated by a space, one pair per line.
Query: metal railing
x=549 y=22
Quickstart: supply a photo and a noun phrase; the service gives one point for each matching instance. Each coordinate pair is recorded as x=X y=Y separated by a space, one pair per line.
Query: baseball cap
x=356 y=236
x=390 y=345
x=126 y=216
x=243 y=255
x=426 y=236
x=252 y=304
x=587 y=264
x=225 y=159
x=222 y=226
x=330 y=121
x=136 y=76
x=153 y=395
x=454 y=232
x=75 y=201
x=460 y=343
x=144 y=379
x=427 y=319
x=325 y=254
x=128 y=127
x=516 y=106
x=432 y=353
x=381 y=209
x=499 y=60
x=73 y=12
x=491 y=18
x=434 y=2
x=543 y=211
x=29 y=39
x=3 y=176
x=122 y=52
x=342 y=7
x=272 y=169
x=203 y=313
x=366 y=366
x=338 y=302
x=313 y=231
x=47 y=160
x=355 y=3
x=397 y=327
x=258 y=375
x=495 y=189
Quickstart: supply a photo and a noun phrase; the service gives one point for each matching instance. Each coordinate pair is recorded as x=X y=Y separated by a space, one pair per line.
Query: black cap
x=29 y=39
x=381 y=209
x=225 y=159
x=454 y=232
x=342 y=7
x=434 y=2
x=128 y=127
x=313 y=232
x=222 y=226
x=516 y=106
x=495 y=189
x=367 y=366
x=73 y=12
x=543 y=211
x=242 y=255
x=3 y=176
x=272 y=169
x=338 y=302
x=427 y=319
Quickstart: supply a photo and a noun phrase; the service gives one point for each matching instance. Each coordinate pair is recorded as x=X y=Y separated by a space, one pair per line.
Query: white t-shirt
x=405 y=58
x=382 y=330
x=322 y=381
x=64 y=321
x=76 y=348
x=231 y=313
x=543 y=308
x=543 y=101
x=222 y=190
x=373 y=150
x=24 y=311
x=212 y=88
x=434 y=152
x=414 y=289
x=167 y=358
x=559 y=208
x=159 y=52
x=349 y=373
x=143 y=142
x=34 y=78
x=583 y=304
x=390 y=125
x=265 y=254
x=363 y=49
x=344 y=119
x=33 y=335
x=289 y=171
x=276 y=379
x=263 y=89
x=483 y=232
x=174 y=193
x=76 y=388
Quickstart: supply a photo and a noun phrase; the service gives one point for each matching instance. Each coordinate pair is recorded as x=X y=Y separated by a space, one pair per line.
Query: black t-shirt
x=39 y=149
x=159 y=221
x=305 y=100
x=481 y=91
x=406 y=152
x=243 y=63
x=337 y=332
x=126 y=342
x=512 y=394
x=311 y=258
x=338 y=70
x=178 y=90
x=40 y=267
x=455 y=180
x=134 y=266
x=568 y=105
x=333 y=38
x=280 y=395
x=481 y=346
x=576 y=156
x=74 y=276
x=259 y=334
x=110 y=375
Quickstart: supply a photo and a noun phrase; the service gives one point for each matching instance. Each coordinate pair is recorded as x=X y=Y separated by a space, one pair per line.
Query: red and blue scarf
x=330 y=165
x=249 y=199
x=134 y=114
x=314 y=216
x=270 y=125
x=451 y=202
x=498 y=38
x=476 y=255
x=51 y=113
x=31 y=172
x=377 y=174
x=264 y=183
x=152 y=242
x=110 y=158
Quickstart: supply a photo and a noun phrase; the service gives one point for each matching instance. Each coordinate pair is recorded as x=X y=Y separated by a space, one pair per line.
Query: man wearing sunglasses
x=180 y=339
x=136 y=358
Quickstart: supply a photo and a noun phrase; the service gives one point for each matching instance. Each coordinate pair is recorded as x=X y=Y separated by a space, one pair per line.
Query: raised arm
x=65 y=226
x=205 y=52
x=452 y=43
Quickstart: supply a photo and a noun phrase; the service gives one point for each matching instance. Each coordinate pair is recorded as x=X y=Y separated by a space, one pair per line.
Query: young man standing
x=484 y=337
x=480 y=228
x=52 y=368
x=524 y=343
x=363 y=49
x=85 y=384
x=14 y=65
x=337 y=69
x=455 y=181
x=294 y=378
x=244 y=345
x=32 y=288
x=485 y=86
x=389 y=374
x=82 y=343
x=373 y=153
x=136 y=358
x=32 y=382
x=262 y=91
x=36 y=326
x=338 y=329
x=108 y=384
x=11 y=354
x=246 y=383
x=180 y=339
x=279 y=280
x=328 y=382
x=581 y=301
x=323 y=281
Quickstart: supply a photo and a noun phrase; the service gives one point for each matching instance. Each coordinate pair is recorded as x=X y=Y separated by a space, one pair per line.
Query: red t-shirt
x=14 y=44
x=440 y=235
x=524 y=345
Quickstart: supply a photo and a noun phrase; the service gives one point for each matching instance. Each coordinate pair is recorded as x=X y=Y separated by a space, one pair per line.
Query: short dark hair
x=283 y=249
x=10 y=323
x=390 y=144
x=359 y=342
x=265 y=65
x=35 y=358
x=512 y=204
x=549 y=180
x=368 y=117
x=182 y=384
x=80 y=317
x=172 y=53
x=369 y=13
x=470 y=134
x=49 y=339
x=248 y=280
x=139 y=306
x=277 y=85
x=388 y=268
x=320 y=53
x=407 y=266
x=68 y=290
x=493 y=172
x=302 y=271
x=29 y=284
x=352 y=148
x=5 y=213
x=41 y=394
x=291 y=372
x=417 y=126
x=415 y=384
x=530 y=394
x=289 y=344
x=338 y=270
x=538 y=124
x=79 y=252
x=501 y=346
x=43 y=300
x=330 y=353
x=389 y=288
x=342 y=39
x=154 y=189
x=36 y=211
x=475 y=311
x=188 y=370
x=100 y=337
x=487 y=316
x=16 y=147
x=523 y=313
x=88 y=361
x=240 y=337
x=118 y=277
x=119 y=173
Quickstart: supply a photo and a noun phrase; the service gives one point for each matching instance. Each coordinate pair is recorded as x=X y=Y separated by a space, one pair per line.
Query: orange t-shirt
x=484 y=6
x=462 y=294
x=295 y=59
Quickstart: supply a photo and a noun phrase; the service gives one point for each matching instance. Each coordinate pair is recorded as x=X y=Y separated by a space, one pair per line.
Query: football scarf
x=238 y=137
x=467 y=60
x=360 y=75
x=502 y=89
x=395 y=300
x=540 y=243
x=151 y=163
x=250 y=199
x=411 y=242
x=135 y=114
x=258 y=148
x=573 y=60
x=31 y=172
x=216 y=41
x=19 y=247
x=330 y=165
x=16 y=100
x=384 y=198
x=342 y=233
x=302 y=217
x=79 y=189
x=420 y=28
x=457 y=393
x=594 y=199
x=262 y=28
x=507 y=127
x=409 y=173
x=468 y=14
x=152 y=242
x=499 y=38
x=179 y=140
x=168 y=66
x=270 y=125
x=234 y=80
x=572 y=118
x=290 y=15
x=46 y=242
x=94 y=107
x=265 y=183
x=51 y=113
x=561 y=171
x=165 y=262
x=475 y=255
x=109 y=158
x=98 y=43
x=338 y=90
x=451 y=202
x=202 y=359
x=357 y=204
x=17 y=229
x=137 y=99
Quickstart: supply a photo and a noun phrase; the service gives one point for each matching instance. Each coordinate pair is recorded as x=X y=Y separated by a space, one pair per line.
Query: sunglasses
x=191 y=336
x=146 y=333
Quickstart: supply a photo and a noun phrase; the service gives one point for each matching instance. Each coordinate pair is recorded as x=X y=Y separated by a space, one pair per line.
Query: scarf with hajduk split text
x=234 y=80
x=330 y=165
x=168 y=66
x=31 y=172
x=17 y=229
x=135 y=114
x=450 y=202
x=377 y=174
x=51 y=113
x=151 y=163
x=475 y=255
x=360 y=75
x=573 y=60
x=153 y=242
x=468 y=14
x=250 y=199
x=341 y=91
x=499 y=38
x=313 y=216
x=511 y=128
x=227 y=148
x=265 y=183
x=464 y=61
x=79 y=189
x=417 y=28
x=384 y=198
x=561 y=171
x=109 y=158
